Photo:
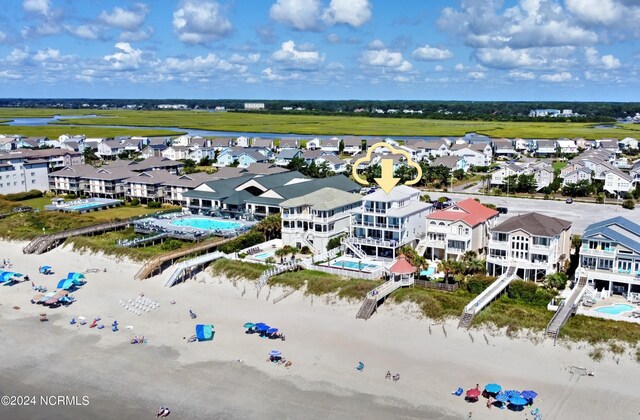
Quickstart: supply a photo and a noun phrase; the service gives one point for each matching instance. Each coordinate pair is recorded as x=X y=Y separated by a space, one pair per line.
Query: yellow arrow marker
x=387 y=182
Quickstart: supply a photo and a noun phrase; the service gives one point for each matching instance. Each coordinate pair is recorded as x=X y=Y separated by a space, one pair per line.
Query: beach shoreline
x=324 y=341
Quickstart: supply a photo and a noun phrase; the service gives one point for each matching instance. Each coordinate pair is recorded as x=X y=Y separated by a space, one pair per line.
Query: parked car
x=569 y=200
x=502 y=210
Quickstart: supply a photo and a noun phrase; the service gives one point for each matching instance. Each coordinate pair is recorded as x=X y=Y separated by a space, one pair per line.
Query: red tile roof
x=468 y=211
x=402 y=266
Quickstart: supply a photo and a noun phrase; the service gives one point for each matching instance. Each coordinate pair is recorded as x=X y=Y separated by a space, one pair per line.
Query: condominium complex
x=385 y=222
x=314 y=219
x=610 y=256
x=536 y=244
x=21 y=175
x=460 y=228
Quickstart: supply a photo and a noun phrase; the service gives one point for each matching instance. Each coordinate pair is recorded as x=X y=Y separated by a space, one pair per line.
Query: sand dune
x=324 y=342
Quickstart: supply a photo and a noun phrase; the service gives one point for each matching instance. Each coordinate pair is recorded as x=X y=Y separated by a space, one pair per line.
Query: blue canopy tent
x=8 y=276
x=73 y=275
x=528 y=394
x=493 y=388
x=204 y=332
x=517 y=403
x=66 y=284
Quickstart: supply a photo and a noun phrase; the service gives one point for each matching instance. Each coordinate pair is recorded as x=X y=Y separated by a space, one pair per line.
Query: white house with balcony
x=386 y=222
x=462 y=227
x=537 y=245
x=617 y=182
x=498 y=177
x=314 y=219
x=610 y=256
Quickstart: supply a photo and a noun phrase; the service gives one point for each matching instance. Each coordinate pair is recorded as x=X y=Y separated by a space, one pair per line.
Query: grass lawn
x=329 y=125
x=124 y=212
x=36 y=203
x=557 y=165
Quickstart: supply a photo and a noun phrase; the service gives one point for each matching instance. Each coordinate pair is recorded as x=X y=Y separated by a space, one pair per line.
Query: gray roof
x=152 y=178
x=290 y=143
x=446 y=161
x=263 y=168
x=288 y=154
x=411 y=208
x=534 y=223
x=398 y=193
x=261 y=143
x=618 y=229
x=190 y=180
x=324 y=199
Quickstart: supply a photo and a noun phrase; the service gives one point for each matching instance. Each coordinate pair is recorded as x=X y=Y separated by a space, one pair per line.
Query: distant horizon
x=440 y=50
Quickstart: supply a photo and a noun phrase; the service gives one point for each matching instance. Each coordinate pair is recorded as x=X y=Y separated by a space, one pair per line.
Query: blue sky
x=322 y=49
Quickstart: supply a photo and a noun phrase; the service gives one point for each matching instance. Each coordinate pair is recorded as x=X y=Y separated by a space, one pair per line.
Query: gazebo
x=402 y=271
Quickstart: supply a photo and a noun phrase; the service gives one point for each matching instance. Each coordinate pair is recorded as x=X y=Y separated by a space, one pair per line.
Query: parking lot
x=581 y=214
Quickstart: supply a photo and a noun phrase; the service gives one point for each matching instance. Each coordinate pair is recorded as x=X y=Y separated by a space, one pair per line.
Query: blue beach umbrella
x=259 y=324
x=272 y=330
x=275 y=353
x=512 y=393
x=263 y=327
x=528 y=394
x=65 y=284
x=502 y=397
x=518 y=401
x=493 y=388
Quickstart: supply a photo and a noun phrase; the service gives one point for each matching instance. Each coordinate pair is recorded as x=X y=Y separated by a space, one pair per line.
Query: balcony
x=373 y=242
x=608 y=252
x=613 y=275
x=498 y=245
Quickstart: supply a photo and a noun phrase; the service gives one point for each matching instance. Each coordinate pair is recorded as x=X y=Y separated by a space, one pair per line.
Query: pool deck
x=92 y=204
x=366 y=264
x=610 y=301
x=165 y=225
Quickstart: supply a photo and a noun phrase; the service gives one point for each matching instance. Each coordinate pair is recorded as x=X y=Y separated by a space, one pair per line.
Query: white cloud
x=476 y=75
x=459 y=67
x=429 y=53
x=3 y=36
x=402 y=79
x=89 y=32
x=564 y=76
x=438 y=68
x=139 y=35
x=42 y=7
x=333 y=38
x=197 y=22
x=126 y=58
x=521 y=75
x=350 y=12
x=386 y=59
x=269 y=74
x=10 y=75
x=46 y=55
x=200 y=66
x=248 y=59
x=603 y=12
x=301 y=58
x=608 y=61
x=376 y=44
x=18 y=56
x=123 y=18
x=302 y=15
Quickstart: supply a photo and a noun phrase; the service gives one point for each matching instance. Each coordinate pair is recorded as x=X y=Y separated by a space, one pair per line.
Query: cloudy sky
x=322 y=49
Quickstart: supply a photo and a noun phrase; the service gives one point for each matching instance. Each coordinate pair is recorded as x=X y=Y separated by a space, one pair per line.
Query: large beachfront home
x=460 y=228
x=107 y=181
x=314 y=219
x=385 y=222
x=537 y=245
x=610 y=256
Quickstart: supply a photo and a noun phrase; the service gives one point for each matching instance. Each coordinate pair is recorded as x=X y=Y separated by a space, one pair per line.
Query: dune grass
x=237 y=269
x=434 y=304
x=599 y=330
x=328 y=125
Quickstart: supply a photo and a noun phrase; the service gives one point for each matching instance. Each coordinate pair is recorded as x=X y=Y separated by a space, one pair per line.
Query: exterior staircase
x=377 y=295
x=421 y=248
x=487 y=295
x=355 y=248
x=566 y=309
x=181 y=268
x=305 y=240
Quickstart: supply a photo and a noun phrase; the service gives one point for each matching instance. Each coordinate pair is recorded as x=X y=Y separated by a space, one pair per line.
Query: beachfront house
x=314 y=219
x=537 y=245
x=610 y=256
x=106 y=182
x=476 y=154
x=148 y=186
x=462 y=227
x=386 y=222
x=180 y=184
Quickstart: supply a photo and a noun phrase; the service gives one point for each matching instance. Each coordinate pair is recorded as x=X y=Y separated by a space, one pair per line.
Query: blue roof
x=604 y=228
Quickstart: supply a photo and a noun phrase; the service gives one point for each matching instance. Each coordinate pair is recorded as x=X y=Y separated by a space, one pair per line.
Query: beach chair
x=458 y=392
x=360 y=367
x=535 y=412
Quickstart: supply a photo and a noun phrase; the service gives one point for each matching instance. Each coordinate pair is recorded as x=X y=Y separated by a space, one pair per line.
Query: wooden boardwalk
x=44 y=243
x=154 y=265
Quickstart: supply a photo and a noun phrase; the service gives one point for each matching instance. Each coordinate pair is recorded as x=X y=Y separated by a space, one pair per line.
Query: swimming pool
x=428 y=272
x=264 y=255
x=92 y=203
x=206 y=223
x=354 y=265
x=615 y=309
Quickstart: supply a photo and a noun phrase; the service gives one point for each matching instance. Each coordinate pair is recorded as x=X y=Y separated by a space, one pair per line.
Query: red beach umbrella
x=473 y=393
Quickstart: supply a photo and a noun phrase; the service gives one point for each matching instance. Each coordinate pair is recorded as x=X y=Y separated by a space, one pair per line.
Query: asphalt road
x=581 y=214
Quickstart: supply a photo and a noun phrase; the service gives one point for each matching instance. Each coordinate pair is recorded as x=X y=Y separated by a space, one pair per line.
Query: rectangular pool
x=264 y=255
x=93 y=203
x=354 y=265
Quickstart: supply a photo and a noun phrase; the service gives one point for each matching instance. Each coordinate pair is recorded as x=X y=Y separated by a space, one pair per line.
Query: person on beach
x=388 y=375
x=159 y=412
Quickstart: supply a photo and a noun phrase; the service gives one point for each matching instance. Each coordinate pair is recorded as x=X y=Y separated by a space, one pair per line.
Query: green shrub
x=556 y=281
x=305 y=250
x=154 y=204
x=528 y=292
x=242 y=255
x=71 y=196
x=476 y=284
x=135 y=202
x=23 y=195
x=250 y=239
x=597 y=354
x=600 y=199
x=629 y=204
x=237 y=269
x=171 y=244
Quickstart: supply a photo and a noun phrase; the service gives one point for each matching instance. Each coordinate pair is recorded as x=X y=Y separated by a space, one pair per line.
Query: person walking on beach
x=469 y=416
x=388 y=375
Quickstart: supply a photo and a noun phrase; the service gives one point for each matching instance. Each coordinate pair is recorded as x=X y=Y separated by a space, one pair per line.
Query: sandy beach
x=229 y=377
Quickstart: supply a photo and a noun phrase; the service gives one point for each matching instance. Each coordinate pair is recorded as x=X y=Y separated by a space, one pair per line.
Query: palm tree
x=474 y=266
x=270 y=226
x=293 y=250
x=281 y=253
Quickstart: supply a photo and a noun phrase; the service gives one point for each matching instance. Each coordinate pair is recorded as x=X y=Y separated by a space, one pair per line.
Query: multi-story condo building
x=314 y=219
x=21 y=175
x=460 y=228
x=610 y=256
x=536 y=244
x=385 y=222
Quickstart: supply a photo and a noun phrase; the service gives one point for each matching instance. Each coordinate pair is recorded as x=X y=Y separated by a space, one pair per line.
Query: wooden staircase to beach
x=44 y=243
x=367 y=309
x=155 y=265
x=378 y=295
x=465 y=320
x=565 y=310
